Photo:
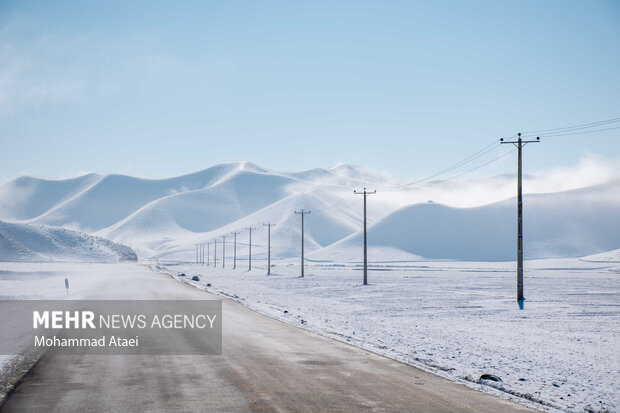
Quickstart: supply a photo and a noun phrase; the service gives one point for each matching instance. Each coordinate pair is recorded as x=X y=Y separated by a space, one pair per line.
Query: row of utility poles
x=519 y=143
x=200 y=248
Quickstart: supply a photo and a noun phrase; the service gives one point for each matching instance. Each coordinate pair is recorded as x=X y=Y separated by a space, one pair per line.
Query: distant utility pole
x=365 y=193
x=215 y=253
x=235 y=250
x=250 y=255
x=223 y=251
x=520 y=144
x=302 y=213
x=269 y=225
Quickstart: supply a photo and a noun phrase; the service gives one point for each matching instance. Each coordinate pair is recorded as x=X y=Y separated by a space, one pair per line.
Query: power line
x=465 y=161
x=575 y=133
x=335 y=204
x=582 y=126
x=468 y=171
x=478 y=154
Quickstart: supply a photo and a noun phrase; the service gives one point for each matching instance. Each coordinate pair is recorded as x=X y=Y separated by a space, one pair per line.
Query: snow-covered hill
x=563 y=224
x=325 y=225
x=472 y=220
x=607 y=256
x=166 y=216
x=35 y=242
x=28 y=197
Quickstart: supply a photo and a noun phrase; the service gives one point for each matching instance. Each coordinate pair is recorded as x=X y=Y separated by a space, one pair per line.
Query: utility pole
x=250 y=255
x=235 y=250
x=302 y=213
x=365 y=193
x=268 y=225
x=520 y=144
x=223 y=251
x=215 y=253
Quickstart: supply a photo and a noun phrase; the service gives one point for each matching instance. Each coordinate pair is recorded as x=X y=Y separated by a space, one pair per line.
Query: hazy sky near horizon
x=157 y=89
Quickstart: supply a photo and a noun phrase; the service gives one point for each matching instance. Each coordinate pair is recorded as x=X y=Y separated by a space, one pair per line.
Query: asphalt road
x=266 y=366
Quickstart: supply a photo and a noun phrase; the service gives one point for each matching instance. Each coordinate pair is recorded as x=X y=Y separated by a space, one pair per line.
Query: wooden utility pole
x=250 y=250
x=235 y=250
x=302 y=213
x=269 y=225
x=520 y=144
x=365 y=193
x=215 y=253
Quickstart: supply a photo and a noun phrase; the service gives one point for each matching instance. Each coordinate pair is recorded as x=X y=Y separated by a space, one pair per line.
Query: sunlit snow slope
x=563 y=224
x=33 y=242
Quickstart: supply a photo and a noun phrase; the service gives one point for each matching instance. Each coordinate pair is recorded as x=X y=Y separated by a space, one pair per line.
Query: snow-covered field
x=458 y=319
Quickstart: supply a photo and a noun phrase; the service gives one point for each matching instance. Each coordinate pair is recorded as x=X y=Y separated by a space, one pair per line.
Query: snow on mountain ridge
x=85 y=202
x=28 y=197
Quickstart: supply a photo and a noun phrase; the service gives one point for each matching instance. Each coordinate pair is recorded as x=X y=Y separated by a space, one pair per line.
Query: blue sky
x=157 y=89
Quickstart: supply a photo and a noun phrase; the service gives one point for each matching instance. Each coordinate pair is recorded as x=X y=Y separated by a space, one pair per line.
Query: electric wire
x=575 y=127
x=573 y=133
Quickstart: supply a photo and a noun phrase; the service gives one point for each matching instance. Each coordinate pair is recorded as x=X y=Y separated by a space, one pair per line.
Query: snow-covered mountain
x=562 y=224
x=164 y=218
x=35 y=242
x=326 y=224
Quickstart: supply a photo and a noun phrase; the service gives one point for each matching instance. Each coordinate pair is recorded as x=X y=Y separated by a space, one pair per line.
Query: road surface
x=266 y=366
